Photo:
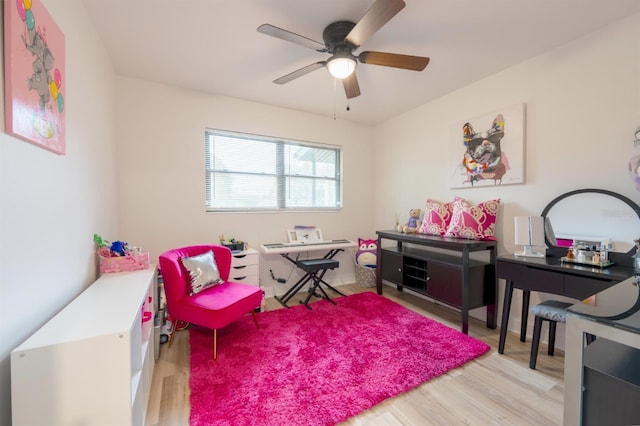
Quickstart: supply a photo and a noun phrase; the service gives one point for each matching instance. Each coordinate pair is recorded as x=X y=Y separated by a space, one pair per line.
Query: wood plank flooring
x=492 y=390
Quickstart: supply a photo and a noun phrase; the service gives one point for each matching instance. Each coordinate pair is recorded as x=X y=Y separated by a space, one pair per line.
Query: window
x=248 y=172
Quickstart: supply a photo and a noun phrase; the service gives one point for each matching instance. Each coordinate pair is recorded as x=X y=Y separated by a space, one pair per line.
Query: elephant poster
x=34 y=75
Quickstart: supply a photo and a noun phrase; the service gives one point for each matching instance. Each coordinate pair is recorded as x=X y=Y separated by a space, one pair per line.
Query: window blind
x=249 y=172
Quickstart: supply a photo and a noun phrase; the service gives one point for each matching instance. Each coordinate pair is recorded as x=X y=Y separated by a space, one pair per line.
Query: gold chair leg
x=173 y=333
x=175 y=329
x=215 y=336
x=215 y=344
x=255 y=319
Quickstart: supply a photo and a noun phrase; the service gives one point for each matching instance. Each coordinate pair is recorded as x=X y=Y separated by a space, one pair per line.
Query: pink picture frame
x=34 y=60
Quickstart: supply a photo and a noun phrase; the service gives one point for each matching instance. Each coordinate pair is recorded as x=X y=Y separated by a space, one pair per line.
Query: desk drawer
x=247 y=279
x=245 y=258
x=582 y=287
x=508 y=270
x=530 y=278
x=237 y=273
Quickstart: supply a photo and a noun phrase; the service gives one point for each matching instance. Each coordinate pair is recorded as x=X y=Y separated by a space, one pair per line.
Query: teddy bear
x=413 y=224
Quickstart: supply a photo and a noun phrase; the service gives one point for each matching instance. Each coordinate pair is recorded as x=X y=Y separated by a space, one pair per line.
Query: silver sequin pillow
x=203 y=271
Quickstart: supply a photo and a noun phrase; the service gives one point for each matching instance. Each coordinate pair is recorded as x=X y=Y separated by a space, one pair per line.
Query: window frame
x=280 y=174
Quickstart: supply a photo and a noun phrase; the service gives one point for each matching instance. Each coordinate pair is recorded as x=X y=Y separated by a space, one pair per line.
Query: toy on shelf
x=233 y=244
x=412 y=225
x=118 y=256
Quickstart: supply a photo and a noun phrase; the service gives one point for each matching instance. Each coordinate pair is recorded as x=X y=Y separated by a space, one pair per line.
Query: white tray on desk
x=593 y=265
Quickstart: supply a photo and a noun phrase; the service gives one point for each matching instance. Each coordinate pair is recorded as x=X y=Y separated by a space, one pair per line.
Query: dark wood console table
x=550 y=275
x=453 y=279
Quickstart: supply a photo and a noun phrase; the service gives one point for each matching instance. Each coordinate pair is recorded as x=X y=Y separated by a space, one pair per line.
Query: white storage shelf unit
x=91 y=364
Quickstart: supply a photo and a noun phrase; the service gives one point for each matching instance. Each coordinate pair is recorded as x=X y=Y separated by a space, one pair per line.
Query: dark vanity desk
x=550 y=275
x=607 y=213
x=602 y=380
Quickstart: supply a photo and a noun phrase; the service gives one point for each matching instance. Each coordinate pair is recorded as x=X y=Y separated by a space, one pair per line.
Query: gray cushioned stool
x=553 y=311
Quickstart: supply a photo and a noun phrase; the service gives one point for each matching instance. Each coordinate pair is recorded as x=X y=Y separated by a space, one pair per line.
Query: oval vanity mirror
x=592 y=215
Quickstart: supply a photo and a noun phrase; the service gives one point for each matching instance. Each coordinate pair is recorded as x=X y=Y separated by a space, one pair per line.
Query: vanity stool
x=553 y=311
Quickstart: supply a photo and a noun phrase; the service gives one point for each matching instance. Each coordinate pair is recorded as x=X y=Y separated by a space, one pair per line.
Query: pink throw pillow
x=436 y=217
x=473 y=222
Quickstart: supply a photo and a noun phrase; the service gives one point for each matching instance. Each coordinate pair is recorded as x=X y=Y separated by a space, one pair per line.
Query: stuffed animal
x=413 y=224
x=366 y=255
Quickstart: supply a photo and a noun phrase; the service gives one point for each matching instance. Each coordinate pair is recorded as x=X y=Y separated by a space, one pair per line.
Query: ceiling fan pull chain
x=348 y=108
x=335 y=97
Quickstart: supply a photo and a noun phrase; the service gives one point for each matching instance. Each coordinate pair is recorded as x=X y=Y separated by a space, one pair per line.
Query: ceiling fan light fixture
x=341 y=66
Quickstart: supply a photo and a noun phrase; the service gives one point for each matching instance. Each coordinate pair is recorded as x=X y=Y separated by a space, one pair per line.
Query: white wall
x=161 y=158
x=583 y=103
x=582 y=108
x=51 y=205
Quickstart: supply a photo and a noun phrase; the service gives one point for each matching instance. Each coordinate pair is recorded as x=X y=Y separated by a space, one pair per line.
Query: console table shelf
x=455 y=280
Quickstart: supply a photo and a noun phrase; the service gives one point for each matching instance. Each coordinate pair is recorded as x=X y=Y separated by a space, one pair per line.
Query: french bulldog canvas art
x=484 y=157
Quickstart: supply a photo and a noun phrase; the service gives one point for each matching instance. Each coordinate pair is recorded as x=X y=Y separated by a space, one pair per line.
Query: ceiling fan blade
x=292 y=37
x=377 y=15
x=395 y=60
x=300 y=72
x=351 y=86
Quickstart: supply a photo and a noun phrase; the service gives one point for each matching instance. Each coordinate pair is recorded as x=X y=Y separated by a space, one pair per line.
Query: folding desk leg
x=329 y=285
x=330 y=255
x=333 y=288
x=312 y=291
x=316 y=285
x=293 y=290
x=326 y=296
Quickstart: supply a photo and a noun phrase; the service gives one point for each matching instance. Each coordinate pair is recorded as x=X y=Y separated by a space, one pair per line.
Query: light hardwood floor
x=491 y=390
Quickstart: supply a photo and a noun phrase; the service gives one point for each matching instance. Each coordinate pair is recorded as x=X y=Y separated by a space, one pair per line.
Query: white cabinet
x=91 y=364
x=244 y=267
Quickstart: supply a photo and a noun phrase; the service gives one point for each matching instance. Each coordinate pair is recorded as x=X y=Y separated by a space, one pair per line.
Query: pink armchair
x=215 y=307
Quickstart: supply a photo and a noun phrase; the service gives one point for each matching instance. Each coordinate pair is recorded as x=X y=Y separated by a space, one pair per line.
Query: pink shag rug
x=320 y=366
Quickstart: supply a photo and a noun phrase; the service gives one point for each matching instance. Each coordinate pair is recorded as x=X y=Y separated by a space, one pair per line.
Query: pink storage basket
x=132 y=262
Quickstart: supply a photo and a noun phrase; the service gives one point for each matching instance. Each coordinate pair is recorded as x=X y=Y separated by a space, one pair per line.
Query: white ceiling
x=212 y=46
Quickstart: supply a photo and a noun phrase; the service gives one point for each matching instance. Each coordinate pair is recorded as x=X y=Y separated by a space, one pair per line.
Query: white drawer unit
x=244 y=267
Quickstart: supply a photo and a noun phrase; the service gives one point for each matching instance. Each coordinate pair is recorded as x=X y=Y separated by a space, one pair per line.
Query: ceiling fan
x=341 y=39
